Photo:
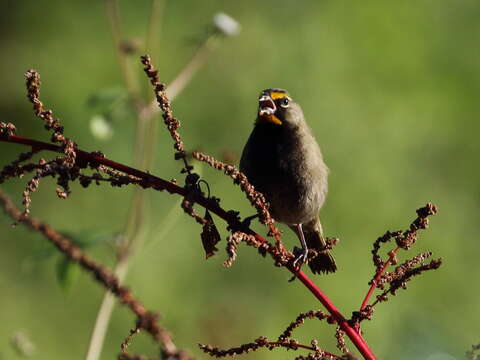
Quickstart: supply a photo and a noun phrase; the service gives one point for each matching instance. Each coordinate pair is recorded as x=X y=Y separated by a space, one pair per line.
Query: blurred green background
x=391 y=90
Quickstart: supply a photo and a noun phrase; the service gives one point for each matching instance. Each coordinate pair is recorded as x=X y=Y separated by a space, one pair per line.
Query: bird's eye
x=284 y=102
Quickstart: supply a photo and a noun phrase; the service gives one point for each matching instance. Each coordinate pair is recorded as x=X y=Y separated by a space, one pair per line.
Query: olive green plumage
x=283 y=161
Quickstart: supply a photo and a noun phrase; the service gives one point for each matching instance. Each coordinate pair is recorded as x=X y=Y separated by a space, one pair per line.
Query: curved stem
x=113 y=15
x=377 y=277
x=354 y=336
x=103 y=317
x=161 y=184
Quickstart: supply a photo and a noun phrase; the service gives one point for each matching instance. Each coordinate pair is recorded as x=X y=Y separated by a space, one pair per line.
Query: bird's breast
x=285 y=170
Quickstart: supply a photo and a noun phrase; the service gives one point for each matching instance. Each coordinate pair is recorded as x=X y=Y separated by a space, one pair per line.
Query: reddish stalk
x=354 y=336
x=377 y=277
x=161 y=184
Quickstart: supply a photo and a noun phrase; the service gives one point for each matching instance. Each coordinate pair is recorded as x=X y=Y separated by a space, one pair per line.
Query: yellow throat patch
x=269 y=118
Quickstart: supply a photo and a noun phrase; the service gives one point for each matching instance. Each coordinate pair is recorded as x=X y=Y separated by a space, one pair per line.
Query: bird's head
x=275 y=106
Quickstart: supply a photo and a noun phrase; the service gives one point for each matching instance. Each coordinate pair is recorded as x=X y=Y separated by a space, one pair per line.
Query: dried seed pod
x=210 y=235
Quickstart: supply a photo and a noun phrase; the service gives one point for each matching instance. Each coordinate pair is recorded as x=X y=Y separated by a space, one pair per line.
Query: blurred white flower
x=226 y=24
x=101 y=128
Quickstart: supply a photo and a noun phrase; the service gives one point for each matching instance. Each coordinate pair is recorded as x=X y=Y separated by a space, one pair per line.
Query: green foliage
x=67 y=273
x=109 y=107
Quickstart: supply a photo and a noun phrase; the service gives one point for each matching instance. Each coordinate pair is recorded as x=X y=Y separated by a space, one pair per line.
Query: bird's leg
x=303 y=256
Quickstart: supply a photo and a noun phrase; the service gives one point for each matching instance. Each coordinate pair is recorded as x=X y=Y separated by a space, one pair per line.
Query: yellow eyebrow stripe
x=278 y=95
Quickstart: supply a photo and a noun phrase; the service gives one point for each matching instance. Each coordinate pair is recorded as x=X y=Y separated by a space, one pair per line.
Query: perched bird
x=283 y=161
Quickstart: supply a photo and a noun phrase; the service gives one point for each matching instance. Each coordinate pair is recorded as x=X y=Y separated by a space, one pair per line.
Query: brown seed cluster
x=377 y=260
x=170 y=121
x=261 y=342
x=407 y=238
x=402 y=269
x=116 y=178
x=364 y=314
x=173 y=124
x=256 y=198
x=159 y=88
x=341 y=345
x=407 y=274
x=263 y=247
x=299 y=321
x=264 y=343
x=14 y=169
x=64 y=169
x=7 y=129
x=317 y=356
x=284 y=341
x=33 y=93
x=402 y=273
x=126 y=343
x=63 y=173
x=187 y=206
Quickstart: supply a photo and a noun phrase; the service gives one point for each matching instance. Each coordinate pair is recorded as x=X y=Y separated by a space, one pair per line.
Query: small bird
x=283 y=161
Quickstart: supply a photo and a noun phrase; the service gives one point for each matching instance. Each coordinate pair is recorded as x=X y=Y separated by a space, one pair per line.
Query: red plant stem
x=354 y=336
x=377 y=277
x=172 y=188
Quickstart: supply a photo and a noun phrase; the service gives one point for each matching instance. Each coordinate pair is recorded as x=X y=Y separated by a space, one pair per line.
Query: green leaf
x=109 y=107
x=67 y=273
x=106 y=98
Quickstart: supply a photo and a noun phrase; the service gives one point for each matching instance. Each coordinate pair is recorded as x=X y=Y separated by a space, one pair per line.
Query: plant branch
x=353 y=335
x=152 y=181
x=179 y=83
x=391 y=258
x=146 y=319
x=404 y=240
x=113 y=15
x=143 y=157
x=99 y=331
x=154 y=25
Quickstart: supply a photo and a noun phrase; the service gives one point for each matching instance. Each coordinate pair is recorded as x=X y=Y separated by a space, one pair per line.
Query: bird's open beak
x=266 y=110
x=266 y=106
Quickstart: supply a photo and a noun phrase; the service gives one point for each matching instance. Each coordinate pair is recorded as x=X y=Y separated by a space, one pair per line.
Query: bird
x=283 y=161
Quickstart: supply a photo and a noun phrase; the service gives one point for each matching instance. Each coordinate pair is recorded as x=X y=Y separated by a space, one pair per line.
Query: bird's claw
x=300 y=259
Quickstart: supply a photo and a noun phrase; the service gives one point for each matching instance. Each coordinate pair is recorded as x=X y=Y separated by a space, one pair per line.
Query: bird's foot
x=301 y=257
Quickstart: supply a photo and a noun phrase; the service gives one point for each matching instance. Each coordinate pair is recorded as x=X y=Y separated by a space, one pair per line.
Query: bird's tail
x=324 y=262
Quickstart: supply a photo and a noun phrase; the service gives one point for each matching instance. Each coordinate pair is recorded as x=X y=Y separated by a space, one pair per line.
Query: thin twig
x=146 y=319
x=197 y=61
x=157 y=183
x=403 y=239
x=185 y=75
x=113 y=15
x=263 y=342
x=143 y=147
x=154 y=26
